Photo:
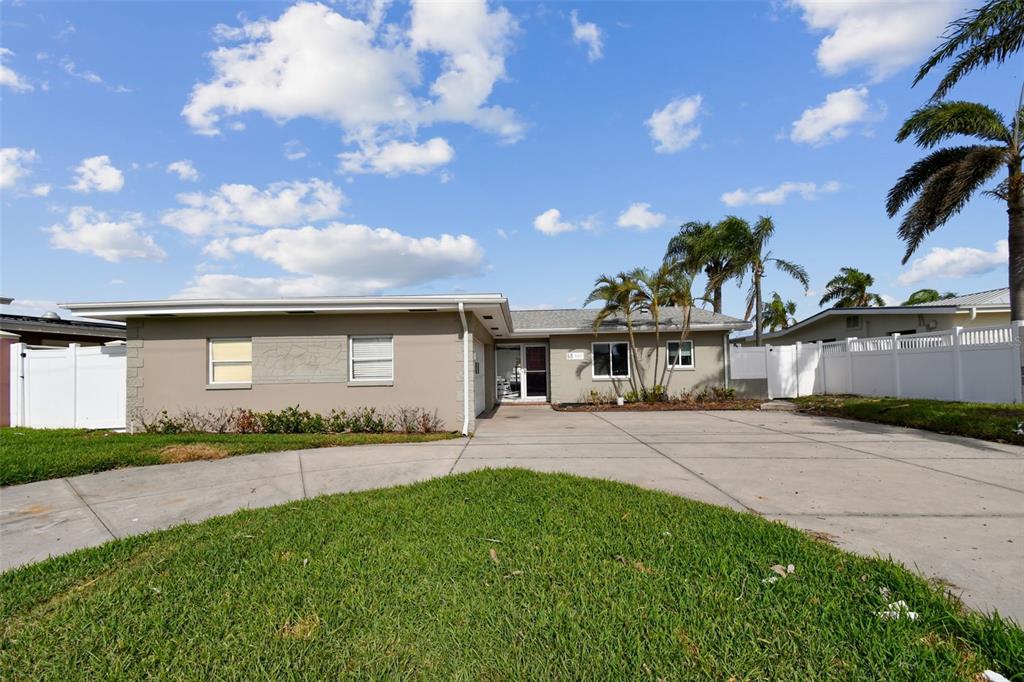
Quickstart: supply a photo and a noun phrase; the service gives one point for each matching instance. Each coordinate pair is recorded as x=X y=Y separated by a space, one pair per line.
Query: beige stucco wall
x=167 y=367
x=834 y=326
x=572 y=380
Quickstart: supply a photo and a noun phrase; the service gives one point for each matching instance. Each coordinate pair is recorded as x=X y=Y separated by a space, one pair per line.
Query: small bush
x=291 y=420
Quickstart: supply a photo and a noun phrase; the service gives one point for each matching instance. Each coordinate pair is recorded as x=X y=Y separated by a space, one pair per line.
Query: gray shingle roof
x=582 y=319
x=997 y=298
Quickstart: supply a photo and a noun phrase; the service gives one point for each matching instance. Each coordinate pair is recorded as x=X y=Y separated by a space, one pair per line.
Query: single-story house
x=980 y=309
x=393 y=351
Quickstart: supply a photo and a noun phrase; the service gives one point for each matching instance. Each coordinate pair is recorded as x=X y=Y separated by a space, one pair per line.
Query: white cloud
x=882 y=36
x=243 y=208
x=589 y=34
x=342 y=259
x=777 y=195
x=889 y=299
x=14 y=163
x=11 y=78
x=832 y=120
x=640 y=217
x=550 y=223
x=295 y=150
x=41 y=190
x=184 y=170
x=97 y=174
x=672 y=127
x=72 y=69
x=506 y=234
x=962 y=261
x=90 y=231
x=315 y=62
x=396 y=157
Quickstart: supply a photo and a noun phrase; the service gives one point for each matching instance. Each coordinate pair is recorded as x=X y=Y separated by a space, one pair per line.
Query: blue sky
x=224 y=149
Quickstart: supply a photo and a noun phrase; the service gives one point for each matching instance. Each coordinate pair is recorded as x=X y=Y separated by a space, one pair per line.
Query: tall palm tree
x=927 y=296
x=752 y=258
x=678 y=293
x=849 y=289
x=618 y=295
x=940 y=185
x=991 y=33
x=654 y=291
x=778 y=314
x=700 y=246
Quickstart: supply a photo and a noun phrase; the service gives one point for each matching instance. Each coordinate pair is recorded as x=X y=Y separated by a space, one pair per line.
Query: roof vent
x=49 y=315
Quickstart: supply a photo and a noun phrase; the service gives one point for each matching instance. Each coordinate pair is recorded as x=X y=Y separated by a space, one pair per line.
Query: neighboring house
x=981 y=309
x=47 y=329
x=392 y=351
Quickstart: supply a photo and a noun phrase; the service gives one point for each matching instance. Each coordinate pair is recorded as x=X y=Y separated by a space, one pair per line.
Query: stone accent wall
x=299 y=359
x=133 y=392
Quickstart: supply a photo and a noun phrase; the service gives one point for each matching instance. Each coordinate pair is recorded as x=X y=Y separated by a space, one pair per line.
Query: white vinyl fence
x=980 y=364
x=73 y=387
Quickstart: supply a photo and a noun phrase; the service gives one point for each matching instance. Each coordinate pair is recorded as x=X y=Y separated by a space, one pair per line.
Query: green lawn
x=494 y=575
x=37 y=454
x=986 y=421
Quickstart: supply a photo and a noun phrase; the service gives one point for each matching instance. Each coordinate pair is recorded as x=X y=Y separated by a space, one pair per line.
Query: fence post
x=73 y=353
x=849 y=363
x=17 y=415
x=796 y=367
x=1017 y=364
x=896 y=361
x=820 y=369
x=958 y=376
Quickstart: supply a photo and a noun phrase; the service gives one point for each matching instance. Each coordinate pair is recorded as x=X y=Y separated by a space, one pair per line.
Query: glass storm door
x=536 y=371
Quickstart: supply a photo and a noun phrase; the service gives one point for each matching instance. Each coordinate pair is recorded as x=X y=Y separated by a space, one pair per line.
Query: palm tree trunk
x=635 y=370
x=657 y=341
x=758 y=308
x=1015 y=211
x=716 y=299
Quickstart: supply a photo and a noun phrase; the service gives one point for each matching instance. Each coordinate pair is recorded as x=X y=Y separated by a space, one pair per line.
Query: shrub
x=291 y=420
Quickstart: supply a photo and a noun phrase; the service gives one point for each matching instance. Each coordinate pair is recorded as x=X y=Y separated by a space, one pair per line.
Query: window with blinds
x=230 y=361
x=371 y=358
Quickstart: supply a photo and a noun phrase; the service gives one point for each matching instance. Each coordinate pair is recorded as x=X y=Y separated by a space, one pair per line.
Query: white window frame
x=351 y=359
x=606 y=377
x=679 y=354
x=210 y=363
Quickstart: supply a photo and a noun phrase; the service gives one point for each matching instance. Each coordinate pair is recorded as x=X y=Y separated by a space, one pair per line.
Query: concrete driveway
x=951 y=507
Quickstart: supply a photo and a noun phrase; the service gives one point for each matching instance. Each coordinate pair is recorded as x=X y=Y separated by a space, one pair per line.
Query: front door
x=536 y=371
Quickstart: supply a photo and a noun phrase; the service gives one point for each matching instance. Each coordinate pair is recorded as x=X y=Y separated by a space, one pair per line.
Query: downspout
x=465 y=370
x=725 y=348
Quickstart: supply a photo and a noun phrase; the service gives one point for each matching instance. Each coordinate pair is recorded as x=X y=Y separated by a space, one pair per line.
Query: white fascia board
x=124 y=309
x=561 y=331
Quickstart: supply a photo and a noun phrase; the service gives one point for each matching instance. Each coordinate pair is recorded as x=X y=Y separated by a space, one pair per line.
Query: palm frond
x=933 y=123
x=946 y=192
x=919 y=174
x=990 y=33
x=795 y=271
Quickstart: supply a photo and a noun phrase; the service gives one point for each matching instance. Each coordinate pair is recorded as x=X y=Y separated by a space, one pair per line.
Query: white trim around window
x=688 y=350
x=229 y=361
x=611 y=360
x=371 y=359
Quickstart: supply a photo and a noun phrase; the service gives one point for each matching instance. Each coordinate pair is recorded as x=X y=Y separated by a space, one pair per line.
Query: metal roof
x=582 y=320
x=993 y=298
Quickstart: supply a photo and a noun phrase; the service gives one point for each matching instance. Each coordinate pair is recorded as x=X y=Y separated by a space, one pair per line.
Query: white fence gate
x=73 y=387
x=981 y=364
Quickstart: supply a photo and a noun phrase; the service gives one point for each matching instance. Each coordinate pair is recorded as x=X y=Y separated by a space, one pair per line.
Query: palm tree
x=701 y=246
x=749 y=244
x=991 y=33
x=941 y=184
x=654 y=291
x=927 y=296
x=618 y=295
x=778 y=314
x=849 y=289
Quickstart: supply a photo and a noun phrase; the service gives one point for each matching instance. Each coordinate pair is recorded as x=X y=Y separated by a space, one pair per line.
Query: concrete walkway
x=952 y=507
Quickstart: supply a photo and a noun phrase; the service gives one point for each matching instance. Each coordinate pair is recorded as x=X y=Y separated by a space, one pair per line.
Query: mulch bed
x=740 y=404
